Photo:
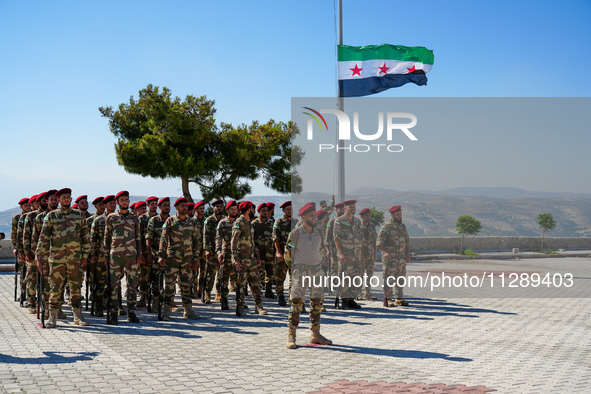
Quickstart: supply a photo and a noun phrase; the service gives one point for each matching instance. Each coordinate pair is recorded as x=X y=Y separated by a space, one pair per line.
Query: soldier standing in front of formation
x=245 y=259
x=394 y=243
x=263 y=237
x=123 y=251
x=153 y=237
x=209 y=232
x=178 y=253
x=369 y=251
x=333 y=265
x=305 y=254
x=64 y=242
x=199 y=274
x=29 y=252
x=281 y=229
x=144 y=273
x=348 y=238
x=223 y=241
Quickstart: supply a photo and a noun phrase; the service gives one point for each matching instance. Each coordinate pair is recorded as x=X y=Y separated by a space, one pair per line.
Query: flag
x=374 y=68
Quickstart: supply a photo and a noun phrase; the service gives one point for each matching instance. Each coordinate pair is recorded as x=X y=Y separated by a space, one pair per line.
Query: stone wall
x=447 y=244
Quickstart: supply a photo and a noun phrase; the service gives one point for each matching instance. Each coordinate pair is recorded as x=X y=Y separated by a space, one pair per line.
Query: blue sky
x=62 y=60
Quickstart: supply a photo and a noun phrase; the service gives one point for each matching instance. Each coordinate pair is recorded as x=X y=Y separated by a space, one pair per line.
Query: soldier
x=64 y=242
x=305 y=255
x=19 y=248
x=348 y=238
x=75 y=207
x=139 y=208
x=223 y=249
x=394 y=243
x=97 y=250
x=82 y=202
x=328 y=209
x=52 y=205
x=144 y=273
x=99 y=205
x=369 y=251
x=25 y=207
x=96 y=268
x=191 y=210
x=179 y=251
x=209 y=233
x=281 y=229
x=123 y=251
x=245 y=259
x=271 y=207
x=263 y=237
x=153 y=236
x=332 y=268
x=28 y=230
x=199 y=274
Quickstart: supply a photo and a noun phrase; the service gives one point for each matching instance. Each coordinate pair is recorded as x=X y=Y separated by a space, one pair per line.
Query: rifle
x=16 y=278
x=221 y=280
x=109 y=291
x=162 y=292
x=150 y=288
x=39 y=300
x=23 y=283
x=94 y=288
x=41 y=296
x=336 y=300
x=205 y=280
x=87 y=285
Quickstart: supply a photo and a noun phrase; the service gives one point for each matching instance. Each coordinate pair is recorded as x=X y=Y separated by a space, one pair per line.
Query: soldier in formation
x=369 y=252
x=263 y=236
x=281 y=229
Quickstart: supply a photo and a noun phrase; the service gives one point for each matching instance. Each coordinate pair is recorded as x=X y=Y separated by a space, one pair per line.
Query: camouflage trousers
x=367 y=268
x=334 y=262
x=393 y=269
x=101 y=276
x=348 y=269
x=178 y=267
x=144 y=279
x=118 y=266
x=267 y=270
x=31 y=281
x=45 y=273
x=60 y=272
x=281 y=274
x=213 y=267
x=250 y=274
x=225 y=274
x=202 y=273
x=306 y=277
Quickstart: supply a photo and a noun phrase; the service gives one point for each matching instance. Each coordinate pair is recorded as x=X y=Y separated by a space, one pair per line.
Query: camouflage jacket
x=64 y=236
x=209 y=233
x=242 y=246
x=144 y=219
x=329 y=236
x=200 y=225
x=28 y=230
x=350 y=235
x=180 y=238
x=37 y=226
x=281 y=229
x=393 y=239
x=263 y=238
x=223 y=238
x=369 y=239
x=14 y=229
x=20 y=233
x=90 y=219
x=304 y=248
x=122 y=235
x=154 y=231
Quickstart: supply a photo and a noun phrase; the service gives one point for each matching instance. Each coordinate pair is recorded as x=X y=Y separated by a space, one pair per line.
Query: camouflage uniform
x=123 y=247
x=223 y=242
x=64 y=241
x=97 y=236
x=351 y=237
x=199 y=273
x=332 y=249
x=154 y=233
x=144 y=271
x=281 y=229
x=37 y=227
x=209 y=233
x=393 y=239
x=243 y=249
x=263 y=238
x=369 y=252
x=28 y=230
x=179 y=247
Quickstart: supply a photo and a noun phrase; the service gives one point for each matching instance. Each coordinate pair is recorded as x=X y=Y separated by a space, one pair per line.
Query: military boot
x=155 y=302
x=232 y=285
x=317 y=338
x=113 y=317
x=353 y=304
x=388 y=303
x=281 y=300
x=98 y=308
x=52 y=321
x=189 y=312
x=345 y=304
x=218 y=297
x=142 y=302
x=32 y=308
x=368 y=295
x=46 y=310
x=258 y=306
x=240 y=312
x=174 y=307
x=166 y=312
x=401 y=302
x=269 y=291
x=132 y=318
x=207 y=298
x=122 y=312
x=225 y=305
x=78 y=318
x=60 y=313
x=291 y=337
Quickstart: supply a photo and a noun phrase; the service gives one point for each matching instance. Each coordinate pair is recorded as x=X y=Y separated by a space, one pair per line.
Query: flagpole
x=340 y=107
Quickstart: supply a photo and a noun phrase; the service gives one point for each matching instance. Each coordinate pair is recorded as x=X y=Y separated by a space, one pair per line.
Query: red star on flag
x=412 y=69
x=384 y=69
x=356 y=70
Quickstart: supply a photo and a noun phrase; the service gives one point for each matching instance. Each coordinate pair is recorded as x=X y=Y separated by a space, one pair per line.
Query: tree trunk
x=186 y=192
x=543 y=233
x=462 y=244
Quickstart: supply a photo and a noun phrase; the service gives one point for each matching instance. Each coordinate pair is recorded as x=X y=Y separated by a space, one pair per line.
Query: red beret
x=308 y=208
x=132 y=206
x=200 y=203
x=245 y=205
x=82 y=197
x=33 y=198
x=364 y=211
x=140 y=204
x=23 y=201
x=50 y=193
x=150 y=199
x=121 y=194
x=340 y=205
x=109 y=198
x=180 y=200
x=97 y=200
x=394 y=209
x=75 y=206
x=216 y=202
x=349 y=202
x=285 y=204
x=63 y=191
x=231 y=204
x=263 y=205
x=321 y=213
x=163 y=199
x=191 y=206
x=270 y=205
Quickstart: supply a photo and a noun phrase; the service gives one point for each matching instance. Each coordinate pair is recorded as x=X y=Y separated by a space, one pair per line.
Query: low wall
x=448 y=244
x=6 y=251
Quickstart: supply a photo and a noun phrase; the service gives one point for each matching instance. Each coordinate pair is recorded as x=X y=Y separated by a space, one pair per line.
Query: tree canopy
x=467 y=225
x=547 y=223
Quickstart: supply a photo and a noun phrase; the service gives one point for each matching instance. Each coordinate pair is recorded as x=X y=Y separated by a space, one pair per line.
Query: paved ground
x=438 y=344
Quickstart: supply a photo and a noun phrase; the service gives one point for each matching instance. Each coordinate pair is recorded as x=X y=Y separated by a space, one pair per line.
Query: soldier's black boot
x=269 y=291
x=225 y=305
x=132 y=318
x=345 y=303
x=281 y=300
x=353 y=304
x=113 y=317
